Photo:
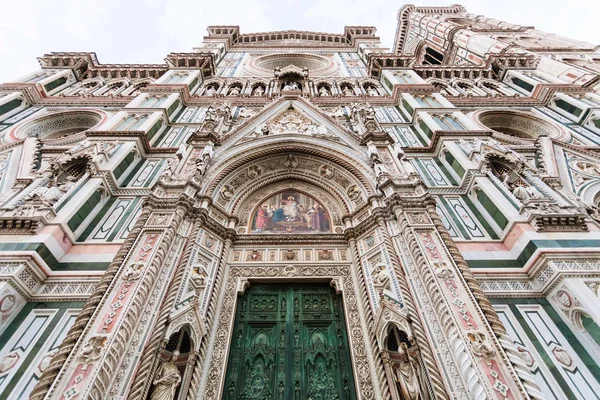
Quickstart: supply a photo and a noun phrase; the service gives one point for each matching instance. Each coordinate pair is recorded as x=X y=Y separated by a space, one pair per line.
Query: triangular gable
x=579 y=170
x=291 y=116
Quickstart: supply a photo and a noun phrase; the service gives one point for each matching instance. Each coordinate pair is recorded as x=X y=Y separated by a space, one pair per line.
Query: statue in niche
x=203 y=160
x=407 y=375
x=291 y=86
x=210 y=91
x=167 y=380
x=211 y=115
x=347 y=91
x=371 y=91
x=201 y=166
x=323 y=92
x=381 y=171
x=258 y=91
x=198 y=279
x=50 y=193
x=521 y=192
x=234 y=91
x=366 y=114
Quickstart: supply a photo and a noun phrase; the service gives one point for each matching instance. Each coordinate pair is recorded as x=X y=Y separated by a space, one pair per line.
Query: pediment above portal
x=296 y=119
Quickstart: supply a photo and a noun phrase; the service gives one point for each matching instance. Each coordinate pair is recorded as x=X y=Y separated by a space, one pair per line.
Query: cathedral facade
x=301 y=215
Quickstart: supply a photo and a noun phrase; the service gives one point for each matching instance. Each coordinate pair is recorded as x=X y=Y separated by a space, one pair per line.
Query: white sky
x=127 y=31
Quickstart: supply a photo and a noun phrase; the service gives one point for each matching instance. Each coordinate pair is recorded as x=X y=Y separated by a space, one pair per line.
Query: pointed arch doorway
x=289 y=342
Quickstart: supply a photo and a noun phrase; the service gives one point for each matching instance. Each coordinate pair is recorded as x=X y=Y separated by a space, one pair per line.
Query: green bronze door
x=289 y=343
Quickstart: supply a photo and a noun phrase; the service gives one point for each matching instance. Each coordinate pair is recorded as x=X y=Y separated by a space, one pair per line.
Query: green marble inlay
x=530 y=249
x=539 y=348
x=33 y=353
x=491 y=232
x=579 y=348
x=42 y=250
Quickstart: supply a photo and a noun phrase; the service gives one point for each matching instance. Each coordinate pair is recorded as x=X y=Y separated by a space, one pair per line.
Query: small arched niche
x=515 y=127
x=396 y=336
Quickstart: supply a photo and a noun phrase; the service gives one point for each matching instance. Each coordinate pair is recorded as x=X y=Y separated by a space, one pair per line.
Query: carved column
x=149 y=359
x=474 y=360
x=83 y=319
x=523 y=372
x=212 y=310
x=369 y=317
x=431 y=367
x=108 y=349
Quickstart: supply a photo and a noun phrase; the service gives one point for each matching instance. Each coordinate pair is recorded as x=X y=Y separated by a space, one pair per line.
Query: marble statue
x=167 y=379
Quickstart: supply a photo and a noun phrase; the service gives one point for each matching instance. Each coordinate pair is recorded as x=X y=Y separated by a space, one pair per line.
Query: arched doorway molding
x=348 y=190
x=349 y=180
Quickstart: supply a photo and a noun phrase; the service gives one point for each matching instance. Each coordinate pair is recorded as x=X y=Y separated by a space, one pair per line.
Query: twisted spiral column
x=58 y=360
x=472 y=283
x=123 y=333
x=148 y=361
x=520 y=372
x=212 y=309
x=370 y=321
x=428 y=358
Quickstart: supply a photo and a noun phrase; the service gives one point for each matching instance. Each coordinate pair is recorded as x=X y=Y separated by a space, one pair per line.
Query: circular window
x=57 y=125
x=317 y=65
x=514 y=125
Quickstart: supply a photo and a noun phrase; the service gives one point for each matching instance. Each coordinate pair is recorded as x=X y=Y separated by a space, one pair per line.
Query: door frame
x=340 y=277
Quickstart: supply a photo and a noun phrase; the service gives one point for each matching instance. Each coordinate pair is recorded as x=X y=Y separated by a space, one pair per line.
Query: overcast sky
x=126 y=31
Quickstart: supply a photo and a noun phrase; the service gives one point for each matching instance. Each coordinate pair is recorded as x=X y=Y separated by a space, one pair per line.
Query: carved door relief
x=289 y=342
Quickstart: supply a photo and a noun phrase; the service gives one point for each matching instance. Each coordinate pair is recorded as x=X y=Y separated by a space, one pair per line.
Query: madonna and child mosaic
x=290 y=212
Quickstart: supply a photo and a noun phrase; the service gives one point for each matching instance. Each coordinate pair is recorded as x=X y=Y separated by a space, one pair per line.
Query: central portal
x=289 y=342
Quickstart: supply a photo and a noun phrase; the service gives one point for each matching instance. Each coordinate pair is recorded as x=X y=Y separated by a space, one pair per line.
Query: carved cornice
x=202 y=61
x=291 y=239
x=377 y=62
x=78 y=62
x=404 y=14
x=452 y=72
x=86 y=65
x=439 y=134
x=290 y=39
